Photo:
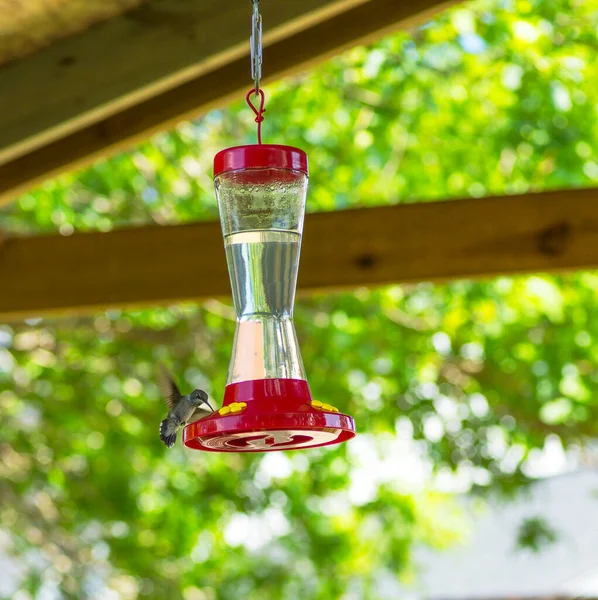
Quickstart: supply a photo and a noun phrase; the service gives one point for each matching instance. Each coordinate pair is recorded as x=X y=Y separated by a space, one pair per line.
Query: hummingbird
x=181 y=409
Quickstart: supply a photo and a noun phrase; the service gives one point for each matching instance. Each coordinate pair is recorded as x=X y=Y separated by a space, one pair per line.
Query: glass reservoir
x=267 y=406
x=261 y=211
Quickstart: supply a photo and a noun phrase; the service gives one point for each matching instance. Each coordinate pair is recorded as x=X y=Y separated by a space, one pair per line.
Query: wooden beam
x=438 y=241
x=131 y=58
x=26 y=27
x=67 y=137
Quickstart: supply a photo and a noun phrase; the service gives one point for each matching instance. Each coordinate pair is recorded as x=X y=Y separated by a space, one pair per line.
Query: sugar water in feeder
x=267 y=406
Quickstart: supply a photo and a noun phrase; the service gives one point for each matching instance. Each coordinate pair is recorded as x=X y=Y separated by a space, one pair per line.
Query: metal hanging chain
x=255 y=43
x=256 y=46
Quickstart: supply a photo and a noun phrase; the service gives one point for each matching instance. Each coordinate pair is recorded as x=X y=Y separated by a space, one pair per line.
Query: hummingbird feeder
x=261 y=191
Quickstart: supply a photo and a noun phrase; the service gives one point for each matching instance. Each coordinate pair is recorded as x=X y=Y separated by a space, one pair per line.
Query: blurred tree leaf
x=535 y=534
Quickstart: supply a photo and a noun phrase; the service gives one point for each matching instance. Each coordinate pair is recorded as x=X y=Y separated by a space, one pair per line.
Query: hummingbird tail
x=166 y=435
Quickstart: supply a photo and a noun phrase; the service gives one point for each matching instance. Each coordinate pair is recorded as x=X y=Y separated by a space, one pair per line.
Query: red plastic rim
x=279 y=415
x=260 y=156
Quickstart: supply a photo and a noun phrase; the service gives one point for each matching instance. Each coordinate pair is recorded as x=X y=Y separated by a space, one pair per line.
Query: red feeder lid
x=260 y=156
x=266 y=415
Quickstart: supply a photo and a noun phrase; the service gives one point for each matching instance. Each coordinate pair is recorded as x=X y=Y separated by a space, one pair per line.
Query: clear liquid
x=263 y=267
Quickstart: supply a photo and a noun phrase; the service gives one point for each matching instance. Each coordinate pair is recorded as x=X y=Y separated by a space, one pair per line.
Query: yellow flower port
x=233 y=408
x=323 y=406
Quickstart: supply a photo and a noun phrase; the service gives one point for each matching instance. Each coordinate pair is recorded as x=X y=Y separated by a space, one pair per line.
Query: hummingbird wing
x=168 y=387
x=199 y=413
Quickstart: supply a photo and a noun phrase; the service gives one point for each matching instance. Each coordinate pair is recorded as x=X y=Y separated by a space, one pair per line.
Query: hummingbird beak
x=209 y=406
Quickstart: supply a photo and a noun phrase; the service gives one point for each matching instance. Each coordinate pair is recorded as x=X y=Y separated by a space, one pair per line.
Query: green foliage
x=462 y=382
x=535 y=534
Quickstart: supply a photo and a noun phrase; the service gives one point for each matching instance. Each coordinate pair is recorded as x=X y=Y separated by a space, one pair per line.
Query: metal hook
x=259 y=112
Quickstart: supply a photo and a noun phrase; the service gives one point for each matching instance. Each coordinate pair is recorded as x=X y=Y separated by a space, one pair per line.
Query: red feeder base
x=265 y=415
